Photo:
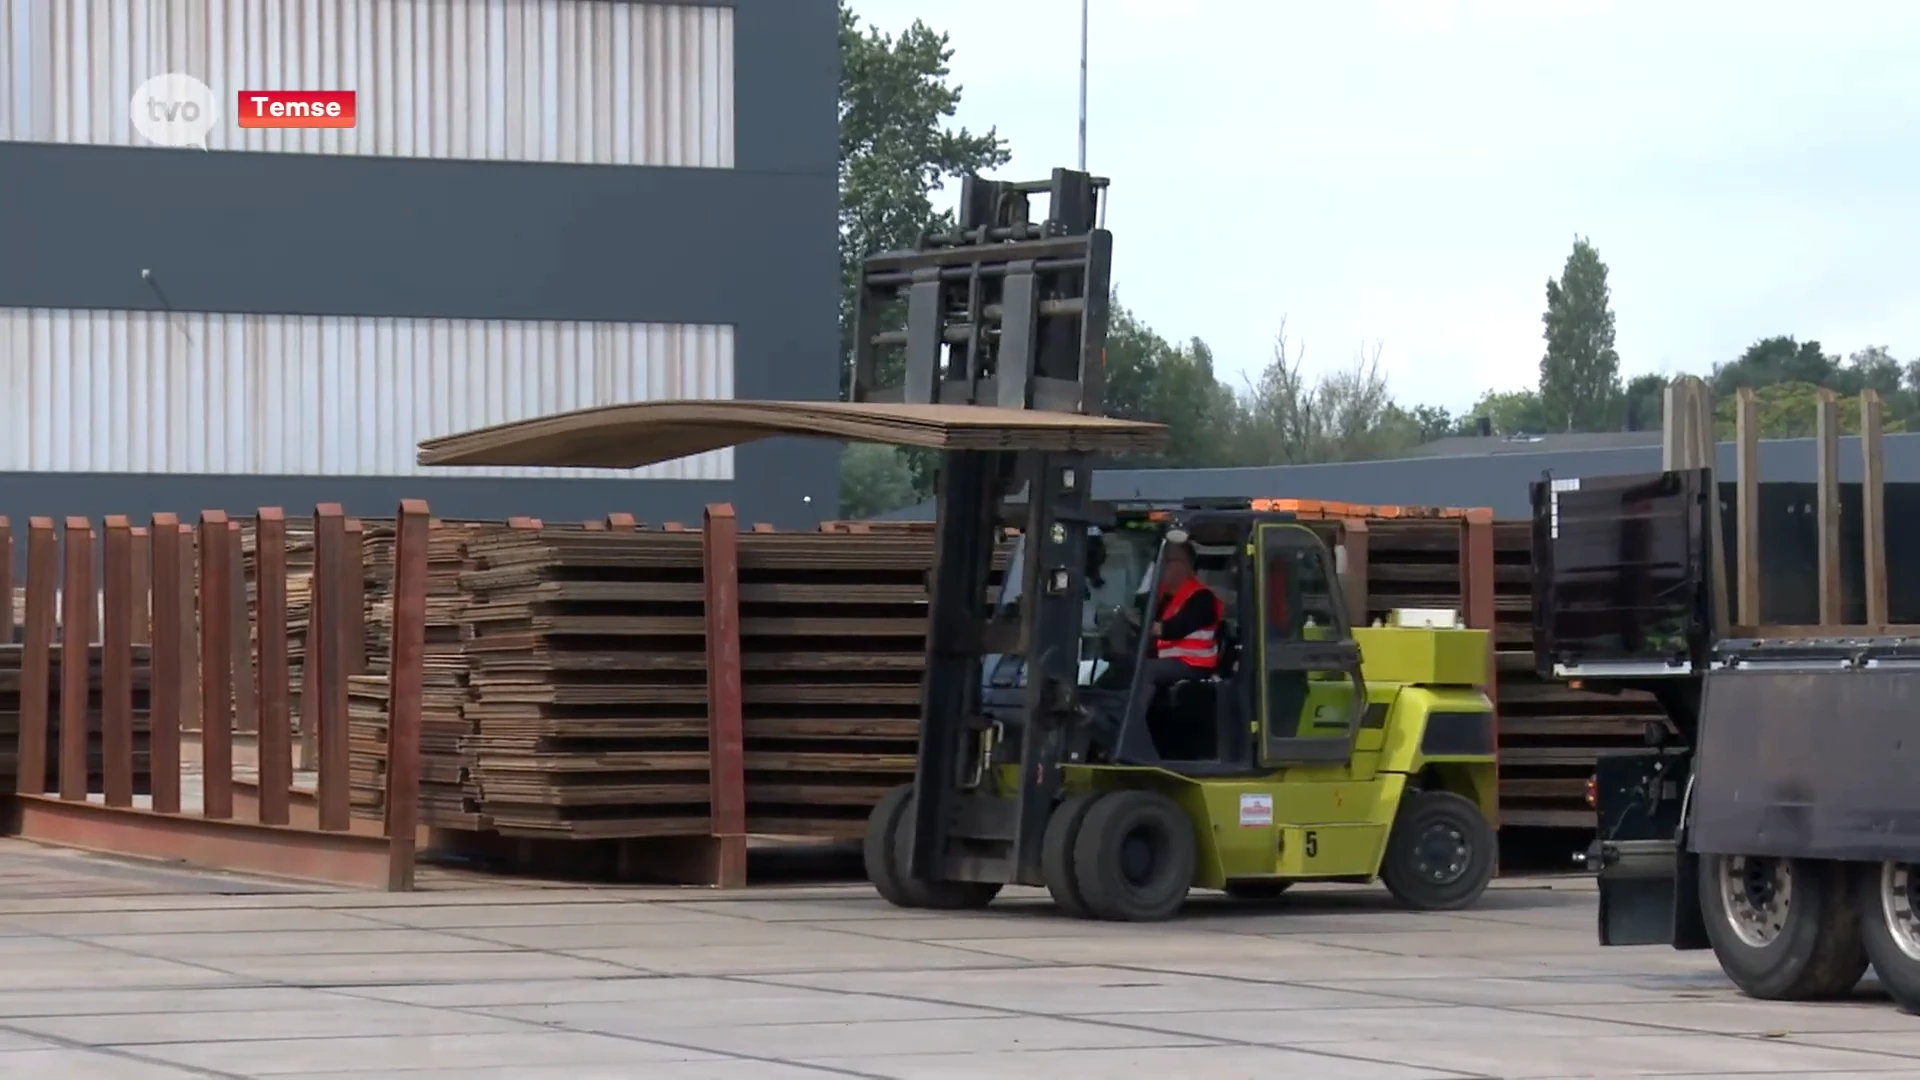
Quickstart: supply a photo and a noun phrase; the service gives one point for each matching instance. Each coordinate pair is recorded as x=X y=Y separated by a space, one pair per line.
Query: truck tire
x=1440 y=854
x=1056 y=854
x=1782 y=929
x=886 y=849
x=1133 y=859
x=1887 y=898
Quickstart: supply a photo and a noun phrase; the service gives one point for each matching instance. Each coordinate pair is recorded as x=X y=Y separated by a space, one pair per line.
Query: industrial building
x=542 y=205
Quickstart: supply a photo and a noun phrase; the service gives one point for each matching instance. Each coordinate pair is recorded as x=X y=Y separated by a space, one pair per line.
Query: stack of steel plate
x=586 y=652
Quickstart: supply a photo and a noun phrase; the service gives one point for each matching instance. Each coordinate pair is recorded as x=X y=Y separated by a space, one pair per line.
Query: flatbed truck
x=1774 y=817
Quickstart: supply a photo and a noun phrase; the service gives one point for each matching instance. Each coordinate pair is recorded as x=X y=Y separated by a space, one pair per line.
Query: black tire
x=1887 y=930
x=881 y=842
x=1816 y=951
x=886 y=851
x=1440 y=854
x=1133 y=858
x=1256 y=889
x=934 y=895
x=1056 y=854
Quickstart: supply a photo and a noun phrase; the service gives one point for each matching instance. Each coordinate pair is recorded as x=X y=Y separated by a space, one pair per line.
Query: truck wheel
x=1056 y=854
x=885 y=852
x=1782 y=929
x=1440 y=854
x=1256 y=889
x=1133 y=859
x=1888 y=903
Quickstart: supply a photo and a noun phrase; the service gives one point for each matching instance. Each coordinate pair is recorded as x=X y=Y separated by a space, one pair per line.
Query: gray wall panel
x=752 y=246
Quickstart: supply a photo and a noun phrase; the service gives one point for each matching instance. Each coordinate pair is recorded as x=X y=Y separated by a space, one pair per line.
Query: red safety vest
x=1201 y=648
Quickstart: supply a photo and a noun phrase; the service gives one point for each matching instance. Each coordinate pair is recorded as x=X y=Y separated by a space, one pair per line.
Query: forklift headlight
x=1057 y=585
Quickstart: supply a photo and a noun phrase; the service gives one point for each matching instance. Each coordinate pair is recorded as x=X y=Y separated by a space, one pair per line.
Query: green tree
x=897 y=148
x=1349 y=414
x=1150 y=378
x=1508 y=412
x=1645 y=402
x=873 y=480
x=1580 y=371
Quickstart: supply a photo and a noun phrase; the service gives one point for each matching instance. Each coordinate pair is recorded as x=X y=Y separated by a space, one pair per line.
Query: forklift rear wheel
x=1888 y=900
x=1056 y=854
x=1133 y=858
x=886 y=852
x=1256 y=889
x=1440 y=854
x=1782 y=929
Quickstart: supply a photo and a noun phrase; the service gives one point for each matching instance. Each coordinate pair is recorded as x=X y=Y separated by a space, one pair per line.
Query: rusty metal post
x=354 y=605
x=216 y=667
x=327 y=659
x=406 y=675
x=6 y=580
x=190 y=668
x=270 y=593
x=36 y=658
x=76 y=655
x=246 y=707
x=142 y=586
x=116 y=664
x=1480 y=612
x=169 y=658
x=726 y=741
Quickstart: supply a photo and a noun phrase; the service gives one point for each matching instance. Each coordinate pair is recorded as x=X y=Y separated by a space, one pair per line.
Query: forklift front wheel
x=1888 y=899
x=1056 y=854
x=1133 y=859
x=886 y=852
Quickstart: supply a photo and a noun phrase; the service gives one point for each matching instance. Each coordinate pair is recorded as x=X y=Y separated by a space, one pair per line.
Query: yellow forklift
x=1312 y=750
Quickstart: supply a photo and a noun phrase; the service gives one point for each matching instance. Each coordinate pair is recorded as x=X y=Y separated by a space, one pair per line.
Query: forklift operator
x=1186 y=623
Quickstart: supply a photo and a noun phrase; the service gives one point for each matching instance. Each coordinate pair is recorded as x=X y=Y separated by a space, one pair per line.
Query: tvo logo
x=174 y=110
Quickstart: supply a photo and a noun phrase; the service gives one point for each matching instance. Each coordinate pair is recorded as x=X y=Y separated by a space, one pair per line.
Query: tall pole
x=1083 y=85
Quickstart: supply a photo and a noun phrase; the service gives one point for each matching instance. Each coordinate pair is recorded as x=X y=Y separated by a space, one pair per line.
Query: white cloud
x=1414 y=170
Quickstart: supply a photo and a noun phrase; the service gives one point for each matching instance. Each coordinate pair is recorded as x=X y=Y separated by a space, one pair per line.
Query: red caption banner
x=296 y=109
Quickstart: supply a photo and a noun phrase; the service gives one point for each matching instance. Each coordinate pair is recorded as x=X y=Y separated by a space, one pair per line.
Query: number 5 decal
x=1313 y=844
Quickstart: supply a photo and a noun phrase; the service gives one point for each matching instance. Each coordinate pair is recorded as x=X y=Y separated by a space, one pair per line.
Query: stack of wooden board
x=833 y=643
x=586 y=653
x=10 y=656
x=448 y=799
x=1551 y=734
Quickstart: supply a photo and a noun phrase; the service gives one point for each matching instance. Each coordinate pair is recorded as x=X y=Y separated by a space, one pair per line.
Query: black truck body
x=1794 y=752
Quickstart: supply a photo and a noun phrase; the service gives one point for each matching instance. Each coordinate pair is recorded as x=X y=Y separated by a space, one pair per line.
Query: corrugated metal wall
x=575 y=81
x=150 y=392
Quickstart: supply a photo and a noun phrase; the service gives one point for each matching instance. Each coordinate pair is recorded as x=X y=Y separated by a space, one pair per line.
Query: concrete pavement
x=122 y=970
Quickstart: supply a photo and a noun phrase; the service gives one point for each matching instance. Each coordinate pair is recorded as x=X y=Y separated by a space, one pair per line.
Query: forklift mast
x=1004 y=311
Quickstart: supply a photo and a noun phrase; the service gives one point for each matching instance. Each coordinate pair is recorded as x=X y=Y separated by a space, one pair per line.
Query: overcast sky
x=1412 y=171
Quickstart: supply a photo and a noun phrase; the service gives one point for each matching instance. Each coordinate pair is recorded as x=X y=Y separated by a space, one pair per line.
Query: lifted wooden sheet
x=646 y=433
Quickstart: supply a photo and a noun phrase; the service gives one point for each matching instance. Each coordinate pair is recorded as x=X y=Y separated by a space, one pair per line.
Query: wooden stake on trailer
x=1873 y=509
x=1826 y=428
x=1746 y=507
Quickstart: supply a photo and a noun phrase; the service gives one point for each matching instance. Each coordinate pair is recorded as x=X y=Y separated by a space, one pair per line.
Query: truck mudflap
x=1648 y=881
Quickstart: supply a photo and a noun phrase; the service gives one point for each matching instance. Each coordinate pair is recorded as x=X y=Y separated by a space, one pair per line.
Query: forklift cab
x=1285 y=688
